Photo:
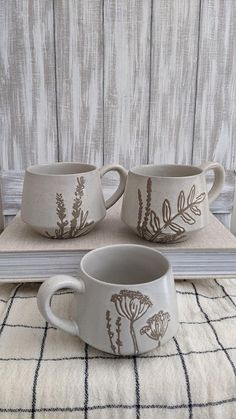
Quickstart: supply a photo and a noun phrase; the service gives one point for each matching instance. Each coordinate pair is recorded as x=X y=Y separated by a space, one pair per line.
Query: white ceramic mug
x=65 y=200
x=124 y=302
x=168 y=203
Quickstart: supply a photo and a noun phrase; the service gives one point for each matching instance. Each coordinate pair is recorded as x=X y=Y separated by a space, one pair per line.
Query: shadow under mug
x=65 y=200
x=168 y=203
x=124 y=302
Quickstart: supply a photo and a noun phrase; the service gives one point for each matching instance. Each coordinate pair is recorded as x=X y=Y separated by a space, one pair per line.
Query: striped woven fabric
x=47 y=373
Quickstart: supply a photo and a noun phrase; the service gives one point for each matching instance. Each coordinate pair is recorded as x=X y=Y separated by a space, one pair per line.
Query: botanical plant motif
x=150 y=227
x=109 y=331
x=78 y=224
x=61 y=213
x=156 y=326
x=132 y=305
x=111 y=334
x=118 y=331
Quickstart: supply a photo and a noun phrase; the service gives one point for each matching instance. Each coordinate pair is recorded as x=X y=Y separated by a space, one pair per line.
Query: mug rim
x=33 y=169
x=134 y=170
x=128 y=245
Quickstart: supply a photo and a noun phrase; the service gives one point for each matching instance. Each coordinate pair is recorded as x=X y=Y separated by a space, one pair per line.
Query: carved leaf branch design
x=149 y=226
x=78 y=225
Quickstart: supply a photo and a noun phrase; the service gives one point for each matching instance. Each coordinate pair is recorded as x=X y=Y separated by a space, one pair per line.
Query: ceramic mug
x=65 y=200
x=168 y=203
x=124 y=302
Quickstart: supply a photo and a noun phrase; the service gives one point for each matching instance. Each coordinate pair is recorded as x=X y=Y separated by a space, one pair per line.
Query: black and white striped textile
x=46 y=373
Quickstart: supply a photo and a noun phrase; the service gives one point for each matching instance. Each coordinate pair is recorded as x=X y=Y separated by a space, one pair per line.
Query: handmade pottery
x=168 y=203
x=65 y=200
x=124 y=302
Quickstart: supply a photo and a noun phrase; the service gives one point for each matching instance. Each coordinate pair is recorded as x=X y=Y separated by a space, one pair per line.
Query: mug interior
x=61 y=169
x=166 y=170
x=125 y=264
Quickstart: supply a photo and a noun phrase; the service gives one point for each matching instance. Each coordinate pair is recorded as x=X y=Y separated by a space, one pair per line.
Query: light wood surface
x=173 y=80
x=106 y=81
x=126 y=81
x=215 y=127
x=79 y=70
x=27 y=88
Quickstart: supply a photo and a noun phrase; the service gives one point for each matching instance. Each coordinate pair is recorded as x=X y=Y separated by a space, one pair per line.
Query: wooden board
x=79 y=57
x=27 y=93
x=175 y=26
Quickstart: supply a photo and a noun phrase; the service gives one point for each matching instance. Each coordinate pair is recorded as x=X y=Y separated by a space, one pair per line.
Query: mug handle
x=120 y=190
x=45 y=293
x=218 y=181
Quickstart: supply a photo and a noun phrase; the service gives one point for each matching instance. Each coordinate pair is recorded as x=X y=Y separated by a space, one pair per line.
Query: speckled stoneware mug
x=124 y=302
x=168 y=203
x=65 y=200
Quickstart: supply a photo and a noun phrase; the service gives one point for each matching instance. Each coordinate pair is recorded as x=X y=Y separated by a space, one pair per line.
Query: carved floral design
x=78 y=224
x=156 y=326
x=151 y=227
x=132 y=305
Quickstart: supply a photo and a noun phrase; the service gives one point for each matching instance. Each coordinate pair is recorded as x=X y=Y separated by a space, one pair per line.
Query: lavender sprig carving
x=78 y=225
x=118 y=343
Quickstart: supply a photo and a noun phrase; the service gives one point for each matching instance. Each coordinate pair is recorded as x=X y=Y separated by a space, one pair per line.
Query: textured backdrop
x=117 y=81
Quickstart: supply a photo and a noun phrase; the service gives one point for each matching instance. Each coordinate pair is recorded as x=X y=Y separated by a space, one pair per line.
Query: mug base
x=164 y=238
x=141 y=352
x=170 y=238
x=63 y=234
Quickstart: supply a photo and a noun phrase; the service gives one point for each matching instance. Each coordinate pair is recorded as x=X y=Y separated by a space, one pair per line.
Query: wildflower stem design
x=111 y=334
x=118 y=331
x=133 y=335
x=78 y=225
x=61 y=213
x=109 y=331
x=149 y=226
x=131 y=305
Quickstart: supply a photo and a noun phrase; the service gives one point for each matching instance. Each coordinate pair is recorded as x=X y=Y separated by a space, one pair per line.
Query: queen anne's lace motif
x=132 y=305
x=156 y=326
